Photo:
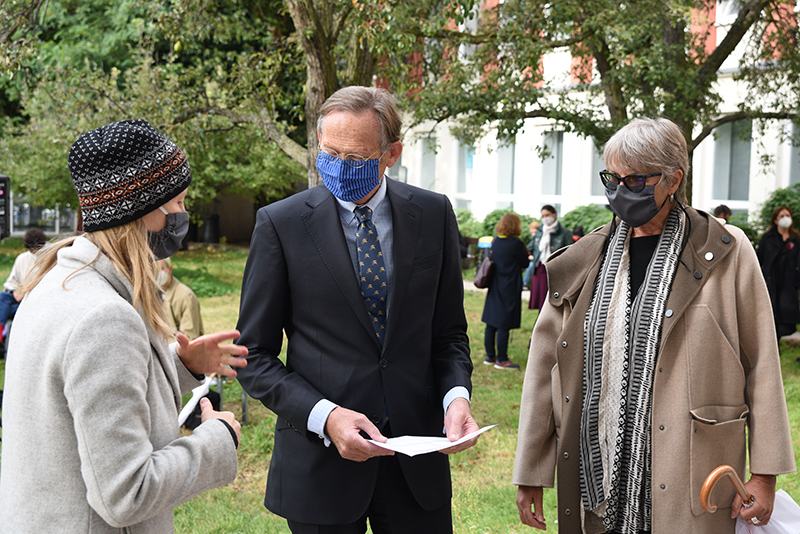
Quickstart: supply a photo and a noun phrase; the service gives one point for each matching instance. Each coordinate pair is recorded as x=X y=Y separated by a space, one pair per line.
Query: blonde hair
x=127 y=248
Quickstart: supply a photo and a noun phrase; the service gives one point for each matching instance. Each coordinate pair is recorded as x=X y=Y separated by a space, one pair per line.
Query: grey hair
x=356 y=99
x=650 y=145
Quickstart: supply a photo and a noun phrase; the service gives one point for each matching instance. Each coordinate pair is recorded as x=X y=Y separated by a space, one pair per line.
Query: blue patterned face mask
x=349 y=180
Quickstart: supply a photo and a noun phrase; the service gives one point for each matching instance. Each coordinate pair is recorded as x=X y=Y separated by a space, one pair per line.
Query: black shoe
x=506 y=364
x=489 y=361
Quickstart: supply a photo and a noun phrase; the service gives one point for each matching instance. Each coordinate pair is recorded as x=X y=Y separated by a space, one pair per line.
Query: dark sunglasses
x=634 y=182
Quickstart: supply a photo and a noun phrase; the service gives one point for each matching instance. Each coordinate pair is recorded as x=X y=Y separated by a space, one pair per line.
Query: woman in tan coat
x=651 y=360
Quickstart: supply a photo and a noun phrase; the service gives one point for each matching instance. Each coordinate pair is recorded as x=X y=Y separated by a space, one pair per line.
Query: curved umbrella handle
x=711 y=481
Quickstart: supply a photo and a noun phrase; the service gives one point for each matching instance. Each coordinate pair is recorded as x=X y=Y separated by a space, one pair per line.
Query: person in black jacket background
x=503 y=306
x=777 y=253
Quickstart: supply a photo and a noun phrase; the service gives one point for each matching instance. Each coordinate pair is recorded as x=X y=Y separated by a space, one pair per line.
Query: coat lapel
x=709 y=242
x=406 y=227
x=324 y=227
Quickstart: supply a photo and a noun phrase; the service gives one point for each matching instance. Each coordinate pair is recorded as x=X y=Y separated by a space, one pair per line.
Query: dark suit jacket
x=300 y=279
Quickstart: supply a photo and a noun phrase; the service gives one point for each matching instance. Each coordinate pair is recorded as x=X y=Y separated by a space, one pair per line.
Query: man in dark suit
x=363 y=275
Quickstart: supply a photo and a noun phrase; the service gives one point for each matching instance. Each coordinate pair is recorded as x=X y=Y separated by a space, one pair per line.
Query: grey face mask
x=636 y=209
x=167 y=242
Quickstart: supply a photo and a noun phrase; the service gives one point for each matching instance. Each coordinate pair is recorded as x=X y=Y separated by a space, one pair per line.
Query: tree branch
x=26 y=16
x=749 y=14
x=262 y=120
x=483 y=37
x=709 y=128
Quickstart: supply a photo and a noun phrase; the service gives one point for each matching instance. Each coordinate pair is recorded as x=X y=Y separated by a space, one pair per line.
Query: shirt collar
x=346 y=209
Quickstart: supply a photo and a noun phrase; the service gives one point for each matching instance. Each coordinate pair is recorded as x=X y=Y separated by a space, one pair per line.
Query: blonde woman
x=93 y=390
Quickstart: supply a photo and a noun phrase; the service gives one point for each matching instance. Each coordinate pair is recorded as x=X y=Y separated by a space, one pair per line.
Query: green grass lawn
x=483 y=497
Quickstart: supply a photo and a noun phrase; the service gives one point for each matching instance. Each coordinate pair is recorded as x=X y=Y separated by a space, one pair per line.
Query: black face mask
x=636 y=209
x=167 y=242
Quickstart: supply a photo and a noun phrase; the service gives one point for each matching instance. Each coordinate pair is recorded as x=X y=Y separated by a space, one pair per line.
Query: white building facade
x=726 y=169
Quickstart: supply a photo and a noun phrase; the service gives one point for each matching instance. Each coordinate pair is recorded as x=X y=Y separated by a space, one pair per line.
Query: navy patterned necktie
x=372 y=271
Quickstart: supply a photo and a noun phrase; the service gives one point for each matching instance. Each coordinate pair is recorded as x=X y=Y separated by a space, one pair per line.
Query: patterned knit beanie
x=123 y=171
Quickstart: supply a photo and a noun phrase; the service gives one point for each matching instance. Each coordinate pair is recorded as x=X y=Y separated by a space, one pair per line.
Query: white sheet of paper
x=197 y=393
x=413 y=445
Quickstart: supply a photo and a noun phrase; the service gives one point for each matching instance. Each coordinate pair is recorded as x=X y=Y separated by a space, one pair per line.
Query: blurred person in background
x=722 y=212
x=549 y=237
x=503 y=306
x=181 y=306
x=526 y=276
x=777 y=253
x=34 y=240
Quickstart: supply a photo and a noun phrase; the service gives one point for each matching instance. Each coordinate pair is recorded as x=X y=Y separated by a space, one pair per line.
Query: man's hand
x=762 y=487
x=458 y=422
x=343 y=427
x=206 y=354
x=527 y=496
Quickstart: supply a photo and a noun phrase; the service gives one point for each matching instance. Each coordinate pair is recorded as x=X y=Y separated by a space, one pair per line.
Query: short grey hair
x=357 y=99
x=650 y=145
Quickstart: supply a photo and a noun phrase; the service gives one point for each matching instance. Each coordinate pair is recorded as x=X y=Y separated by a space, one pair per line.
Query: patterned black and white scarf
x=615 y=445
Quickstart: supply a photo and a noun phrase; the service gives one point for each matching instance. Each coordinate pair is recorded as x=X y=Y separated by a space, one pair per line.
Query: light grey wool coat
x=90 y=413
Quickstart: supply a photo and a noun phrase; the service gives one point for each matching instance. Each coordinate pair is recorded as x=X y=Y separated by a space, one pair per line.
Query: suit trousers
x=392 y=510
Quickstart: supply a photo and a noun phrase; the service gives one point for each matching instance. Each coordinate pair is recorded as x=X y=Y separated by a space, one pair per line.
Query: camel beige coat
x=717 y=376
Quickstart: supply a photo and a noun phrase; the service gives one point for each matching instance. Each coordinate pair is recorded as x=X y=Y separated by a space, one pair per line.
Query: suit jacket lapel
x=324 y=227
x=406 y=226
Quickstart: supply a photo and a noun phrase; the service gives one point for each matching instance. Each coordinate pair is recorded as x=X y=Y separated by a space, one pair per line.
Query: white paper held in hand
x=414 y=445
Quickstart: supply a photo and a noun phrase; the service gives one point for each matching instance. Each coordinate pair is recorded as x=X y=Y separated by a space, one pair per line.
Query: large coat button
x=384 y=363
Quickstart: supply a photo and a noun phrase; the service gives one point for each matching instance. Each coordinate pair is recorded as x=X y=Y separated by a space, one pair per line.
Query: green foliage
x=228 y=59
x=492 y=218
x=468 y=225
x=787 y=196
x=204 y=283
x=751 y=229
x=471 y=227
x=590 y=217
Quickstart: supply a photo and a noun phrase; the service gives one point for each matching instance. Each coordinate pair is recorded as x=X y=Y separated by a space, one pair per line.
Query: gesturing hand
x=207 y=354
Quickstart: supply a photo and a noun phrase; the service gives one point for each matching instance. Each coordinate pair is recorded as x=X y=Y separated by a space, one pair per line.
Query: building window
x=727 y=11
x=397 y=172
x=732 y=161
x=58 y=220
x=466 y=156
x=552 y=166
x=505 y=168
x=429 y=163
x=794 y=158
x=598 y=164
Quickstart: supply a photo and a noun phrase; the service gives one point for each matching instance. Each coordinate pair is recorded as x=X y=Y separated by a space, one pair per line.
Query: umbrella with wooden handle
x=711 y=481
